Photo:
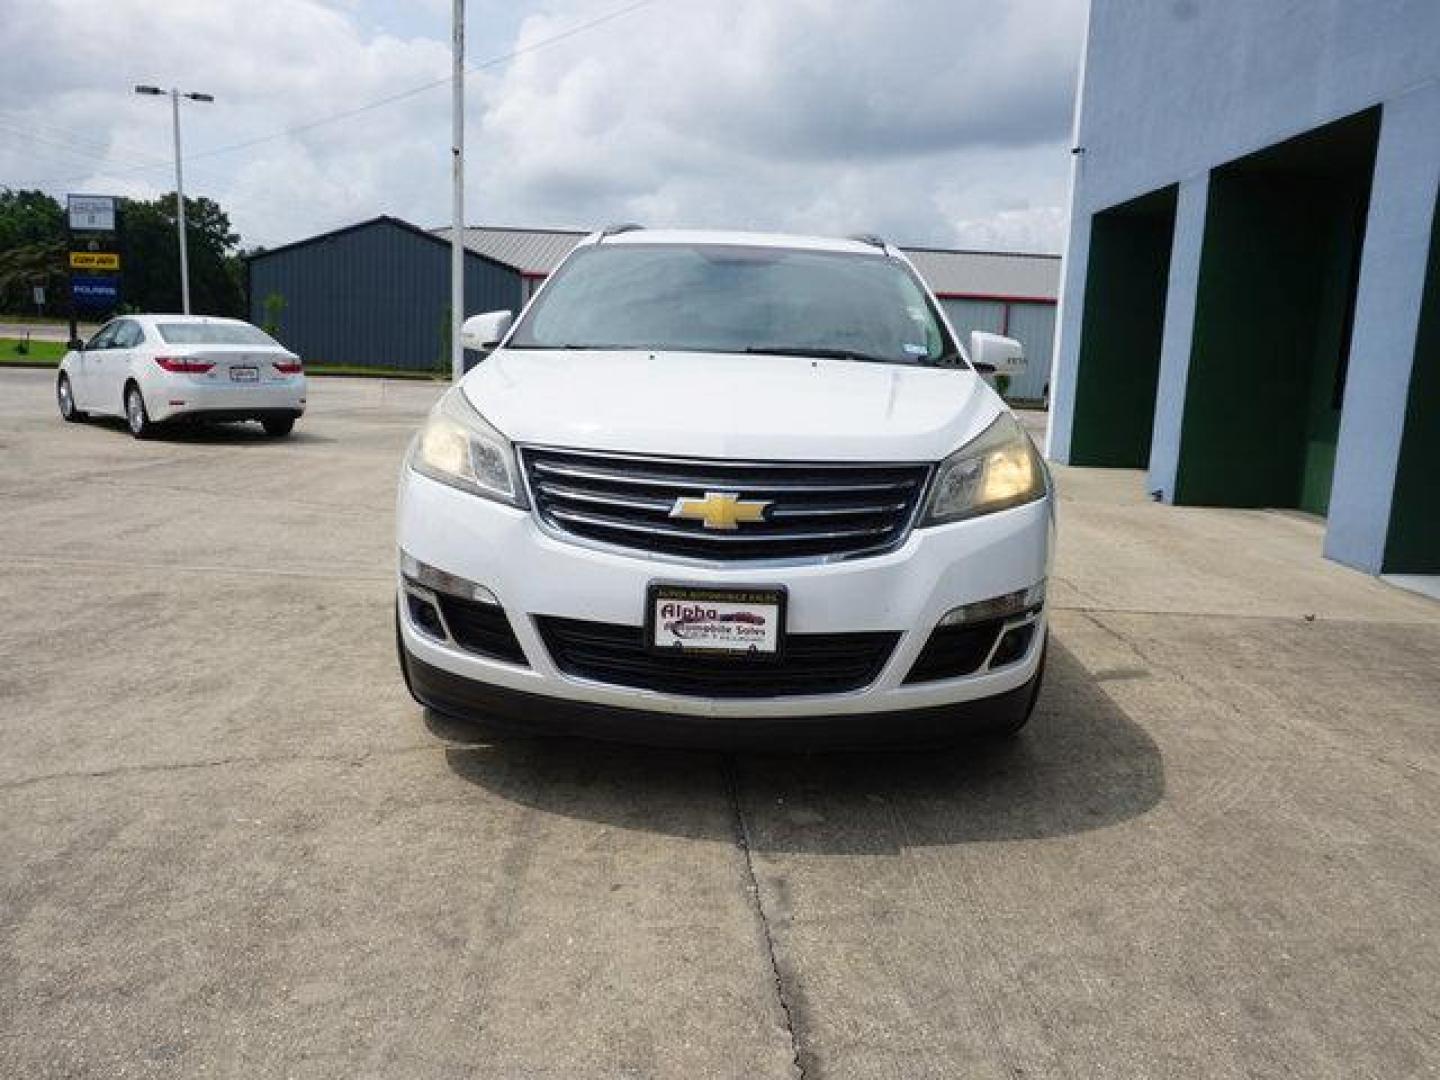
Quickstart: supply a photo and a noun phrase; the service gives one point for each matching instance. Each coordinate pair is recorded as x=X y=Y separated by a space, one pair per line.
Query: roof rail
x=871 y=239
x=616 y=230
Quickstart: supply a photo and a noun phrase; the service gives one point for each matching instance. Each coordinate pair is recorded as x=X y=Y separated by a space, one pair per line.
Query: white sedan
x=151 y=369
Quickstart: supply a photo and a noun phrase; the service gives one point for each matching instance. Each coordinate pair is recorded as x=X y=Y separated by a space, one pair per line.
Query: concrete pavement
x=231 y=845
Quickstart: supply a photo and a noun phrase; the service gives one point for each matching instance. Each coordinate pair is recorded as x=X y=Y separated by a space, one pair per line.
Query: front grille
x=810 y=510
x=809 y=663
x=480 y=628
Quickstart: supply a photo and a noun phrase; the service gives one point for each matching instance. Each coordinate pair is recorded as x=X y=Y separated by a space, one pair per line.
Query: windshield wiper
x=823 y=354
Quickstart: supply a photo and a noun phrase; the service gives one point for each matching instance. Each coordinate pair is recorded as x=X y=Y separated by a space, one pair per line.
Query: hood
x=725 y=406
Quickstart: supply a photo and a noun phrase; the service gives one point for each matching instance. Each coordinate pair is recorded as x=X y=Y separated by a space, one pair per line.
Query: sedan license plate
x=244 y=374
x=722 y=621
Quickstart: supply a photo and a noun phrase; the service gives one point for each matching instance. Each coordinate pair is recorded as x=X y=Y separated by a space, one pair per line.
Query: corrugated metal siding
x=968 y=315
x=536 y=251
x=1033 y=325
x=377 y=296
x=988 y=273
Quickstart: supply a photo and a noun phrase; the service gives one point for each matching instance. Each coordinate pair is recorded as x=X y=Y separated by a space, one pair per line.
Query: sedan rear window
x=213 y=334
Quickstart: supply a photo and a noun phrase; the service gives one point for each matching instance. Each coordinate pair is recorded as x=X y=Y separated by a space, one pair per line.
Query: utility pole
x=175 y=97
x=457 y=180
x=180 y=207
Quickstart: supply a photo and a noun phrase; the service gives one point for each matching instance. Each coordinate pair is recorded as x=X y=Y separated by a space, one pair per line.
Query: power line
x=390 y=99
x=413 y=91
x=73 y=147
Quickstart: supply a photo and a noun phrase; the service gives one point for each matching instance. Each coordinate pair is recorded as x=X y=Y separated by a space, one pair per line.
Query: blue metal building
x=374 y=294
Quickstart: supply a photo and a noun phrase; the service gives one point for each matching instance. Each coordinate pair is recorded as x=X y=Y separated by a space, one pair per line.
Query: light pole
x=457 y=188
x=175 y=96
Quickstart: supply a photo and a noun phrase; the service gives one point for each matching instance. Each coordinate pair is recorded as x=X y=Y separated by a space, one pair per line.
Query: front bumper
x=533 y=573
x=508 y=710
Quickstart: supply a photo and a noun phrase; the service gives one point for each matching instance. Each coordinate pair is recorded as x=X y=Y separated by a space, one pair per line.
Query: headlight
x=996 y=470
x=457 y=447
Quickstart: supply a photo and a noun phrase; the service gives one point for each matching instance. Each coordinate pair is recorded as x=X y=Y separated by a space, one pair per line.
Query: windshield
x=214 y=334
x=727 y=298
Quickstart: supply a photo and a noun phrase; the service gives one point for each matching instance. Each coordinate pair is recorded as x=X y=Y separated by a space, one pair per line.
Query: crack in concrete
x=1309 y=618
x=757 y=906
x=1315 y=734
x=43 y=562
x=225 y=762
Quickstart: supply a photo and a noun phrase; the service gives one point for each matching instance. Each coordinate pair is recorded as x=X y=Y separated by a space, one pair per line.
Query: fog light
x=1022 y=602
x=1013 y=645
x=424 y=615
x=422 y=574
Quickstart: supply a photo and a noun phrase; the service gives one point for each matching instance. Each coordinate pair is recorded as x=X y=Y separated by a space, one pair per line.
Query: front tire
x=65 y=398
x=278 y=427
x=136 y=417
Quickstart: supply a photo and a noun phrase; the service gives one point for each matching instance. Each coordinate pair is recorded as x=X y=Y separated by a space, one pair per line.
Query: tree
x=152 y=257
x=32 y=249
x=33 y=252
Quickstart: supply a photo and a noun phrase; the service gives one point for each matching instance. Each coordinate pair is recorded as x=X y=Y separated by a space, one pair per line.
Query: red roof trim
x=996 y=298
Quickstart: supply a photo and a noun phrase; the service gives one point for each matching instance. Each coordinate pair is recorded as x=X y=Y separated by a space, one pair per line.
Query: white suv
x=717 y=485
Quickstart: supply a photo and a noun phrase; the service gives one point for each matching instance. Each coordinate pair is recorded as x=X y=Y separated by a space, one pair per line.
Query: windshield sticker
x=917 y=350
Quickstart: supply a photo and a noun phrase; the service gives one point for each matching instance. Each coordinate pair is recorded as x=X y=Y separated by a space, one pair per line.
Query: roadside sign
x=92 y=213
x=95 y=290
x=94 y=260
x=94 y=228
x=39 y=295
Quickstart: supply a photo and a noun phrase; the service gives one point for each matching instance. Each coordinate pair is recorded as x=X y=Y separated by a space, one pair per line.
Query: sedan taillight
x=181 y=366
x=289 y=367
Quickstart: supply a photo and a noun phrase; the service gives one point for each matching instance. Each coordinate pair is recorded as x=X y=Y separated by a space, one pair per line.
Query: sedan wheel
x=135 y=414
x=65 y=396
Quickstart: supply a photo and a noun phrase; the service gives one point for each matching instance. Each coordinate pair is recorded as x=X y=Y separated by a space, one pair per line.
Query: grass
x=375 y=372
x=49 y=354
x=41 y=354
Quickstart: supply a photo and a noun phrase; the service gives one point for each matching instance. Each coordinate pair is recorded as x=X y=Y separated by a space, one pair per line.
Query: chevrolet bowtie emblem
x=719 y=510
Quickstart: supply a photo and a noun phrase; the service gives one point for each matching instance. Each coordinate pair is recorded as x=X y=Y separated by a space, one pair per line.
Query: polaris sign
x=96 y=291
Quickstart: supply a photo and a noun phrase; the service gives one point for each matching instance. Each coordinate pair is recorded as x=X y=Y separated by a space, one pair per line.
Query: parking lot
x=231 y=845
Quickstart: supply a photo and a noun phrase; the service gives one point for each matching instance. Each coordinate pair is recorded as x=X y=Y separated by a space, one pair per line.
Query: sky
x=930 y=122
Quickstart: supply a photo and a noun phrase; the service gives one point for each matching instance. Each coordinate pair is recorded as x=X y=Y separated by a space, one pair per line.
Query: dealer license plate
x=244 y=374
x=697 y=619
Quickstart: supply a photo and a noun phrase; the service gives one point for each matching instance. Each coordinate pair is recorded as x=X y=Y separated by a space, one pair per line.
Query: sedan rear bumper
x=173 y=399
x=223 y=415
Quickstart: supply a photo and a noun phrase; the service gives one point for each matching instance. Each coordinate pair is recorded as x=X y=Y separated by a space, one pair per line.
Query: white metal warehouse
x=1003 y=292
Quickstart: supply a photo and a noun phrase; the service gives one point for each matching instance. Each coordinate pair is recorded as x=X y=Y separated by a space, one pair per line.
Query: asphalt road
x=231 y=846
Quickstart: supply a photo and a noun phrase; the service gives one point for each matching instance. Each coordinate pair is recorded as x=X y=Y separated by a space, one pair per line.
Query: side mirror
x=483 y=332
x=992 y=354
x=75 y=344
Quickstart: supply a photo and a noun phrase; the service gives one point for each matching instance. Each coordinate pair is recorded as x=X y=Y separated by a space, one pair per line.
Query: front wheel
x=65 y=397
x=135 y=415
x=278 y=427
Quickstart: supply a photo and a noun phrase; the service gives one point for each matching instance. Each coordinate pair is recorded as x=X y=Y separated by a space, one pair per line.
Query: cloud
x=70 y=121
x=933 y=121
